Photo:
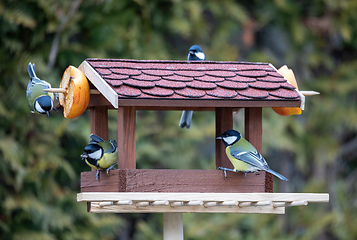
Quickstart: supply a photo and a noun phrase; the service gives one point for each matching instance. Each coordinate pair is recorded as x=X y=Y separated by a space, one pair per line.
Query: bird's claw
x=97 y=176
x=225 y=170
x=111 y=167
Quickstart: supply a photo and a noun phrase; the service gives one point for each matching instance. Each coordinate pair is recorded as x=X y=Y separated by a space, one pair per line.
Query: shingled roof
x=190 y=83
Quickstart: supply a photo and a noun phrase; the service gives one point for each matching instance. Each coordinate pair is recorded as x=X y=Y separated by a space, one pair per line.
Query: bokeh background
x=39 y=155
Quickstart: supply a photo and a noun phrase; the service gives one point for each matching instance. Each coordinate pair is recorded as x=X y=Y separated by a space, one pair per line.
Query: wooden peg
x=261 y=203
x=55 y=90
x=160 y=203
x=194 y=203
x=244 y=204
x=229 y=203
x=210 y=204
x=309 y=93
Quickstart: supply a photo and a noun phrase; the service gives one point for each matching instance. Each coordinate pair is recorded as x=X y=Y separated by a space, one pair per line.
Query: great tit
x=243 y=155
x=39 y=100
x=195 y=54
x=100 y=154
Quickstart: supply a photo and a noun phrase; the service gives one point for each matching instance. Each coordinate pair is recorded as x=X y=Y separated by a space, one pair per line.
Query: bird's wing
x=246 y=152
x=108 y=146
x=95 y=139
x=253 y=158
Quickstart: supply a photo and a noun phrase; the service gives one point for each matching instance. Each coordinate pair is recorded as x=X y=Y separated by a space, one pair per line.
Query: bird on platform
x=39 y=100
x=195 y=54
x=100 y=154
x=243 y=155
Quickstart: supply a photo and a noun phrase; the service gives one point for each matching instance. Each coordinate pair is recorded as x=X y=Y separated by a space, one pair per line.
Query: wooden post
x=126 y=138
x=253 y=133
x=99 y=121
x=173 y=226
x=224 y=122
x=254 y=127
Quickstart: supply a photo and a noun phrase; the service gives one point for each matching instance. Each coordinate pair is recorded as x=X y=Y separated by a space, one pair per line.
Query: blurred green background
x=39 y=155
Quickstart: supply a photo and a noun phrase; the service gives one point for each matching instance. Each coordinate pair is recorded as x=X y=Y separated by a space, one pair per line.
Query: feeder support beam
x=126 y=137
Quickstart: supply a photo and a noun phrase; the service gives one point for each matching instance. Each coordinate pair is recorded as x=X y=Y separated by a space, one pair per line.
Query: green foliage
x=39 y=156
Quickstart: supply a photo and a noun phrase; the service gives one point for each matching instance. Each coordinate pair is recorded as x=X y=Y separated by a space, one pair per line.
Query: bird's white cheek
x=95 y=155
x=38 y=108
x=230 y=140
x=200 y=55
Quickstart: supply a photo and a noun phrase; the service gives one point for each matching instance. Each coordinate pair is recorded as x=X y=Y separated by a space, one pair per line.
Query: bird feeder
x=222 y=87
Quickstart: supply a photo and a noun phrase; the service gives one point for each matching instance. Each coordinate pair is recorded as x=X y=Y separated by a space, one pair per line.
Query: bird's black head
x=93 y=151
x=43 y=104
x=230 y=137
x=195 y=53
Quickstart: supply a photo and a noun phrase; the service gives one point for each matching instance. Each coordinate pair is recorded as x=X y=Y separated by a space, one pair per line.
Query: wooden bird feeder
x=223 y=87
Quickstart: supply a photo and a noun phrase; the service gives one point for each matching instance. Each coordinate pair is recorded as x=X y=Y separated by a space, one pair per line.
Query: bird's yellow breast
x=238 y=164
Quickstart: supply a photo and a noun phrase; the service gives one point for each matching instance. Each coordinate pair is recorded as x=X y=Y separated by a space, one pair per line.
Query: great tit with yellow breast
x=39 y=100
x=100 y=154
x=195 y=54
x=243 y=155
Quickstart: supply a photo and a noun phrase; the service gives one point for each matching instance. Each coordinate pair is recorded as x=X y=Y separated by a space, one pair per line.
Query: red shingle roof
x=184 y=80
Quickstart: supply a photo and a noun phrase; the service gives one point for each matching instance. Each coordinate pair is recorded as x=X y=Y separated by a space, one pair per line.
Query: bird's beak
x=219 y=137
x=48 y=113
x=84 y=155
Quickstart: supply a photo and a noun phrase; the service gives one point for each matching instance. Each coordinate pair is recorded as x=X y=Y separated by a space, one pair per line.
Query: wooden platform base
x=145 y=202
x=173 y=180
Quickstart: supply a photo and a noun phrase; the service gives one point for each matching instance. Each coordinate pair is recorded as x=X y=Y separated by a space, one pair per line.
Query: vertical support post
x=126 y=137
x=98 y=126
x=173 y=226
x=253 y=133
x=253 y=130
x=99 y=122
x=224 y=122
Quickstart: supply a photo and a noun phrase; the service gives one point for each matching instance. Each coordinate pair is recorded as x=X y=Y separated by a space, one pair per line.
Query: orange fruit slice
x=288 y=74
x=76 y=98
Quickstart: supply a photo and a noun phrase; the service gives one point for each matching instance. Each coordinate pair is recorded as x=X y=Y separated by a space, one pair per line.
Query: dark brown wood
x=254 y=133
x=224 y=122
x=172 y=180
x=98 y=100
x=126 y=137
x=254 y=127
x=99 y=121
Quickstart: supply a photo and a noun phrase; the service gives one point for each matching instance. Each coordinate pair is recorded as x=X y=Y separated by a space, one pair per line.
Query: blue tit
x=100 y=154
x=195 y=54
x=38 y=99
x=243 y=155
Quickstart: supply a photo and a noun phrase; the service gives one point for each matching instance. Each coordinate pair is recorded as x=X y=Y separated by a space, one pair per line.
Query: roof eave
x=99 y=83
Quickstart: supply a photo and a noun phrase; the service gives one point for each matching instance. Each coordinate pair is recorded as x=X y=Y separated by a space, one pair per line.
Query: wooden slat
x=212 y=202
x=95 y=208
x=224 y=122
x=206 y=197
x=172 y=226
x=99 y=83
x=126 y=138
x=138 y=102
x=172 y=180
x=99 y=121
x=253 y=132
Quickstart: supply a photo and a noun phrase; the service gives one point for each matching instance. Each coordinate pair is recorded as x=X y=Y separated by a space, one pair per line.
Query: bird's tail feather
x=95 y=138
x=277 y=175
x=31 y=70
x=186 y=119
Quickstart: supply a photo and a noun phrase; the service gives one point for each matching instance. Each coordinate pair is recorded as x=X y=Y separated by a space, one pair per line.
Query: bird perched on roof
x=195 y=54
x=38 y=99
x=243 y=155
x=100 y=154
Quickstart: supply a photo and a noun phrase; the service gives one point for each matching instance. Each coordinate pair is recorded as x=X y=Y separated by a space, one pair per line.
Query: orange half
x=288 y=74
x=76 y=98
